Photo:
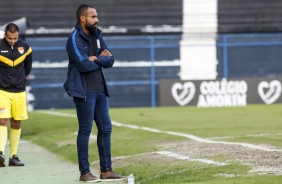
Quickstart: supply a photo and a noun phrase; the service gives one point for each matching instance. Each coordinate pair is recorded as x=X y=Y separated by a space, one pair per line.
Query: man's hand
x=93 y=58
x=105 y=53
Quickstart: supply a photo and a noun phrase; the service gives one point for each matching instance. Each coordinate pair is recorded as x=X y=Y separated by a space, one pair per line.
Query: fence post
x=153 y=76
x=225 y=57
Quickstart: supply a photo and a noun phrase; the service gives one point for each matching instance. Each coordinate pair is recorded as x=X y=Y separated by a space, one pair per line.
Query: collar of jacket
x=4 y=41
x=80 y=30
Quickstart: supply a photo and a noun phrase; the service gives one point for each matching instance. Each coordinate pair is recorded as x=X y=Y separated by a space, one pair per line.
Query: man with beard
x=88 y=55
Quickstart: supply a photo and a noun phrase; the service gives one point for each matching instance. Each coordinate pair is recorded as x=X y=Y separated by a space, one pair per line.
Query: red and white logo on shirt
x=21 y=50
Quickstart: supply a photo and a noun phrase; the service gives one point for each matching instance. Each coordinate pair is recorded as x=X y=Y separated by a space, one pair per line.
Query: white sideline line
x=248 y=135
x=176 y=156
x=181 y=157
x=189 y=136
x=198 y=139
x=56 y=113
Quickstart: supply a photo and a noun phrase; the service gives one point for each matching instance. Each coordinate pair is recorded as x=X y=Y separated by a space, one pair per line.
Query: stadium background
x=145 y=38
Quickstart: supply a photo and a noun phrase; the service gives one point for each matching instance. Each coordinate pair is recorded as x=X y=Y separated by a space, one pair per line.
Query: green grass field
x=196 y=139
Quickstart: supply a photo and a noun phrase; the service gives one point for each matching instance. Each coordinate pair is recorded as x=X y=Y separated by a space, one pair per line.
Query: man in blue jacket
x=88 y=55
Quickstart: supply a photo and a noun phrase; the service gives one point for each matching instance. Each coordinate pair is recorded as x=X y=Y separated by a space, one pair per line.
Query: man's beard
x=91 y=28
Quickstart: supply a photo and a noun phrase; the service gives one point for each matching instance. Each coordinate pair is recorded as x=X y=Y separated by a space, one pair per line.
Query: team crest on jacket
x=21 y=50
x=2 y=110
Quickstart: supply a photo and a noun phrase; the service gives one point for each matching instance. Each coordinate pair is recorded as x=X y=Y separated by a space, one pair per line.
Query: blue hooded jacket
x=78 y=50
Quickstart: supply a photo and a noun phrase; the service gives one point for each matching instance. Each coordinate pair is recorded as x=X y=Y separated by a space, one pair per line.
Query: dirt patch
x=262 y=162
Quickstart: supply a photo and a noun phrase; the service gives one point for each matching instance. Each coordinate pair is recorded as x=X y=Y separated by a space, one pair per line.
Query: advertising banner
x=220 y=93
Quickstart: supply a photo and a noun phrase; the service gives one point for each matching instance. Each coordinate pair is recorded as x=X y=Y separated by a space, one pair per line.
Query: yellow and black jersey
x=15 y=65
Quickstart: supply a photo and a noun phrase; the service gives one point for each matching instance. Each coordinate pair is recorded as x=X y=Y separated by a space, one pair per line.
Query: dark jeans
x=95 y=107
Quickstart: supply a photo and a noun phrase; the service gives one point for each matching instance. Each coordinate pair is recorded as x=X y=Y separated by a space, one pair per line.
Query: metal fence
x=141 y=61
x=249 y=55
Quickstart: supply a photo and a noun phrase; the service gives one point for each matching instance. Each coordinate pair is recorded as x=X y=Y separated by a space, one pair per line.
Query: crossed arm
x=103 y=53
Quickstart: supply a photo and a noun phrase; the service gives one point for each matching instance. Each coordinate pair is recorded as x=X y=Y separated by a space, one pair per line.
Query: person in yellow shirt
x=15 y=66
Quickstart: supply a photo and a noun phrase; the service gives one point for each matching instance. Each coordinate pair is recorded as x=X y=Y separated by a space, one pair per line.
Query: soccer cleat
x=89 y=178
x=2 y=159
x=111 y=176
x=15 y=161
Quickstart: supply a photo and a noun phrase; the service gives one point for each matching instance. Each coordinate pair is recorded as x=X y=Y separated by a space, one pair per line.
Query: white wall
x=198 y=44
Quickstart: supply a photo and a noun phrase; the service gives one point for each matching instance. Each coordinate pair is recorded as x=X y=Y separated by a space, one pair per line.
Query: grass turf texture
x=237 y=124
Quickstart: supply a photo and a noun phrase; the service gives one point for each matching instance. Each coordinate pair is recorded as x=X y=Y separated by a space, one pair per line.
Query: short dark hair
x=81 y=10
x=12 y=27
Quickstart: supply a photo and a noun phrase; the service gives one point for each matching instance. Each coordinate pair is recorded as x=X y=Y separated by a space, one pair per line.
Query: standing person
x=88 y=55
x=15 y=66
